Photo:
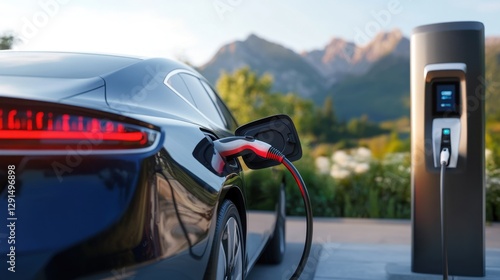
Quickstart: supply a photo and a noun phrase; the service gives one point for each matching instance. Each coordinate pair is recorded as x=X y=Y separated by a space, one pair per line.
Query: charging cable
x=236 y=146
x=444 y=159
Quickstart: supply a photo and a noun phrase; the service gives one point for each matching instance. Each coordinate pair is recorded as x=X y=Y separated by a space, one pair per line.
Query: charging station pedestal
x=447 y=98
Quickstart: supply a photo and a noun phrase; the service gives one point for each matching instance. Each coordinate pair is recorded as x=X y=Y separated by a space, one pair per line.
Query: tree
x=395 y=144
x=245 y=93
x=250 y=97
x=301 y=111
x=362 y=127
x=7 y=41
x=326 y=127
x=491 y=82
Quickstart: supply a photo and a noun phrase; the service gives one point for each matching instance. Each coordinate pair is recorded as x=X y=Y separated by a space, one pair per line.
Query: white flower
x=341 y=157
x=363 y=154
x=323 y=165
x=339 y=173
x=361 y=167
x=347 y=162
x=487 y=154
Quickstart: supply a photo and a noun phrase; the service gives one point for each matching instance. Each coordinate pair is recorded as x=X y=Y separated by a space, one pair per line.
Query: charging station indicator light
x=446 y=131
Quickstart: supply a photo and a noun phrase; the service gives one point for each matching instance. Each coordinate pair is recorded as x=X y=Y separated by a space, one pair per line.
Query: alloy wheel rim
x=230 y=262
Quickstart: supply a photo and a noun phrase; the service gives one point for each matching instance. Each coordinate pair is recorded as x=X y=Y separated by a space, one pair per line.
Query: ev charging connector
x=447 y=147
x=236 y=146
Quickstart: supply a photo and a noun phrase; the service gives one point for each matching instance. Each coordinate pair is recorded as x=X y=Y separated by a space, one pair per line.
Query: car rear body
x=107 y=178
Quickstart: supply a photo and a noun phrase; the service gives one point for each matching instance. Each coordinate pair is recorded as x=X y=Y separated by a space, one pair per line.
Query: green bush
x=384 y=191
x=492 y=191
x=321 y=189
x=262 y=185
x=262 y=188
x=493 y=200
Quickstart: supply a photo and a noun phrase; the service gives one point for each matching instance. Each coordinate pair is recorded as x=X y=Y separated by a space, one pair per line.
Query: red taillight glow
x=71 y=135
x=40 y=128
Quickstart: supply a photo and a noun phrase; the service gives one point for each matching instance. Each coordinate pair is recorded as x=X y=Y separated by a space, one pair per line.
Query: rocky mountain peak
x=340 y=57
x=290 y=71
x=311 y=71
x=384 y=43
x=338 y=48
x=492 y=41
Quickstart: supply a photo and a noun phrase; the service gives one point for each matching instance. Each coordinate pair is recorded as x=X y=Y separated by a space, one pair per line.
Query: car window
x=202 y=100
x=225 y=113
x=178 y=84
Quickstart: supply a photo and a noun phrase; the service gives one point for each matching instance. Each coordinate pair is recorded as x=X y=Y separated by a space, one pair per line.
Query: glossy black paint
x=147 y=214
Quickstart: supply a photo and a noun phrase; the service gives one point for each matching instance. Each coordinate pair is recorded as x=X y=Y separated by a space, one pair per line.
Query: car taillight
x=39 y=128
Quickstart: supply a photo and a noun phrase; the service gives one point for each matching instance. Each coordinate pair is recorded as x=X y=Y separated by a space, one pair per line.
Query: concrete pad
x=365 y=253
x=357 y=261
x=400 y=271
x=351 y=270
x=383 y=261
x=285 y=269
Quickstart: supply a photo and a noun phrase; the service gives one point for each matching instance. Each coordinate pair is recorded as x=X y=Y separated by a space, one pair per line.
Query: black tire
x=227 y=254
x=276 y=246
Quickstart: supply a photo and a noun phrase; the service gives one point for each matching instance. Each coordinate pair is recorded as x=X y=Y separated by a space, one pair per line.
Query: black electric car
x=107 y=170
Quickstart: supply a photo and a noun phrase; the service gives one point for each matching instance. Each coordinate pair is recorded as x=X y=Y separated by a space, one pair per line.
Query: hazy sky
x=195 y=29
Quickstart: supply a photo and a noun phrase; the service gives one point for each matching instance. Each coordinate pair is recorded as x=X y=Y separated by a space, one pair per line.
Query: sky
x=193 y=30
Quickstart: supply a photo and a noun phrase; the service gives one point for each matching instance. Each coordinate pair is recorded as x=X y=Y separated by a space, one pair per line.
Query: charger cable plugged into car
x=242 y=145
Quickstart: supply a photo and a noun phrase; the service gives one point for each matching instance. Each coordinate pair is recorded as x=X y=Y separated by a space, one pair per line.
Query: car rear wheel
x=226 y=258
x=275 y=249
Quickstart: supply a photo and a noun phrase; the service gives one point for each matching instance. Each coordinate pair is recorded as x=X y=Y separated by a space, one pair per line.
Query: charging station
x=447 y=114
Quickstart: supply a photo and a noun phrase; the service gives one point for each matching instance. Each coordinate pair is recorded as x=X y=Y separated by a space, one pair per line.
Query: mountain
x=290 y=71
x=311 y=73
x=334 y=61
x=372 y=80
x=353 y=74
x=340 y=58
x=492 y=42
x=382 y=93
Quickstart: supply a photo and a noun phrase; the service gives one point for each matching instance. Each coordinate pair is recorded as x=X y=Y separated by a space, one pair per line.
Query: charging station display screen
x=446 y=97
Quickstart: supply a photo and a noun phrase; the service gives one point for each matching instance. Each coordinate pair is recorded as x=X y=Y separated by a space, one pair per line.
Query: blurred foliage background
x=354 y=168
x=7 y=40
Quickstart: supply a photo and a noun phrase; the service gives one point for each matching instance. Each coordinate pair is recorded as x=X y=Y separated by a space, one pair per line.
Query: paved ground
x=289 y=264
x=361 y=249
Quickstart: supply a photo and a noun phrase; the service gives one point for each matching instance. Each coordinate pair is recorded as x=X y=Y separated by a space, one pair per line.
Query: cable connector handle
x=240 y=145
x=444 y=157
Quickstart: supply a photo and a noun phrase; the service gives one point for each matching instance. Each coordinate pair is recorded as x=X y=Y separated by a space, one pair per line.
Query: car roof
x=61 y=64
